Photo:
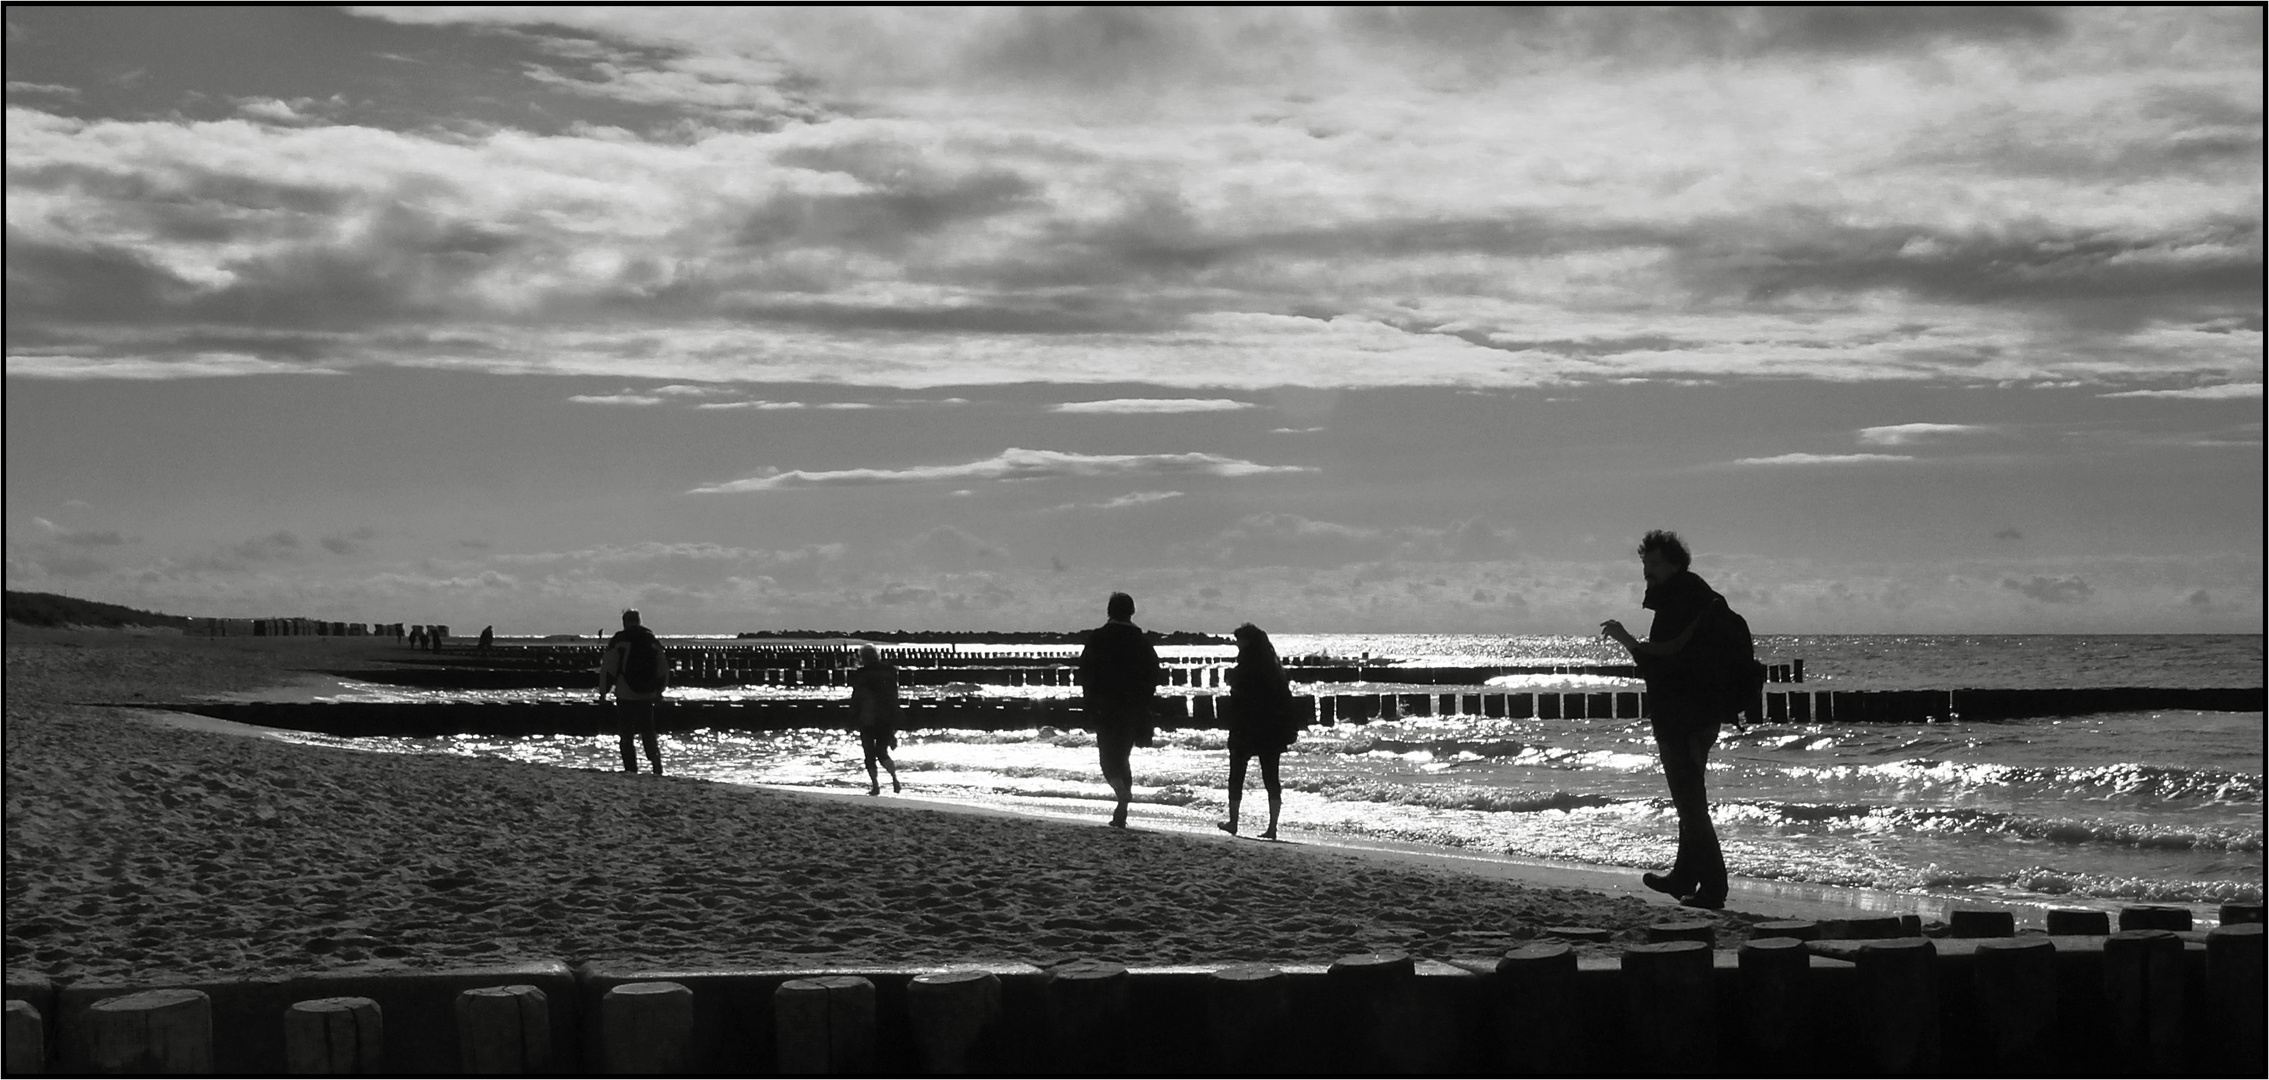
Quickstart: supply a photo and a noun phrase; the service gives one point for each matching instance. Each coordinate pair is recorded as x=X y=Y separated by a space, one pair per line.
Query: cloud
x=2058 y=590
x=1144 y=406
x=1211 y=201
x=2199 y=599
x=1013 y=464
x=945 y=547
x=144 y=368
x=2009 y=534
x=1824 y=459
x=773 y=405
x=1280 y=539
x=80 y=538
x=2219 y=392
x=616 y=399
x=1137 y=498
x=350 y=543
x=1905 y=434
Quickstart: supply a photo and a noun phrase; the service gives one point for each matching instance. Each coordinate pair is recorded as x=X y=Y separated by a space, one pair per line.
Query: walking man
x=1118 y=675
x=636 y=669
x=1688 y=706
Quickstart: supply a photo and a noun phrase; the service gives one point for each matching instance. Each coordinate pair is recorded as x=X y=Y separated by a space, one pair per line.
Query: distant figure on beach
x=874 y=709
x=638 y=671
x=488 y=638
x=1688 y=706
x=1260 y=722
x=417 y=636
x=1118 y=676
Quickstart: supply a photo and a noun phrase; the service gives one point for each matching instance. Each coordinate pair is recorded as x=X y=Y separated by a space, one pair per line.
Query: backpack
x=643 y=666
x=1733 y=666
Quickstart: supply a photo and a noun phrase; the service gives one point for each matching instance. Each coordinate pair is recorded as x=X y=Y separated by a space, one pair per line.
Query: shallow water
x=2163 y=807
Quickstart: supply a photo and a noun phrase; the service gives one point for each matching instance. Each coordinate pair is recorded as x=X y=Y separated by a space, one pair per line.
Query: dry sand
x=138 y=848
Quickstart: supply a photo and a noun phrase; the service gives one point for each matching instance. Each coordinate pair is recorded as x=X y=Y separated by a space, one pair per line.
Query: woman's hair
x=868 y=654
x=1671 y=547
x=1253 y=643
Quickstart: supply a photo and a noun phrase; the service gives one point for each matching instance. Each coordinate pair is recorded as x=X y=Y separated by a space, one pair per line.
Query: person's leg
x=1673 y=752
x=1708 y=861
x=1275 y=790
x=1237 y=761
x=874 y=780
x=883 y=752
x=1113 y=747
x=651 y=729
x=1700 y=868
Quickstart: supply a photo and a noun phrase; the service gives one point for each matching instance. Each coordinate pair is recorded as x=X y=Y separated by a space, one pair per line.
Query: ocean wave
x=1438 y=797
x=1861 y=818
x=2054 y=882
x=2123 y=779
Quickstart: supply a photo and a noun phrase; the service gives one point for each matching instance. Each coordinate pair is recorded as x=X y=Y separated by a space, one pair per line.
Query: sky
x=1908 y=319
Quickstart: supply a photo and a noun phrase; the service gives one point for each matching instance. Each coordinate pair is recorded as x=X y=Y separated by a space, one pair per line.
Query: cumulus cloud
x=1012 y=464
x=1145 y=406
x=2048 y=590
x=2009 y=534
x=2218 y=392
x=1824 y=459
x=1210 y=200
x=356 y=542
x=1904 y=434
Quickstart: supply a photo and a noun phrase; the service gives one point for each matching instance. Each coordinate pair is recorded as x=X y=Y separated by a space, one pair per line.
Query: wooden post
x=1702 y=930
x=503 y=1031
x=1579 y=933
x=26 y=1038
x=2235 y=1008
x=1776 y=1004
x=2016 y=991
x=2154 y=917
x=1536 y=1010
x=1246 y=1009
x=1670 y=1023
x=643 y=1028
x=949 y=1012
x=1898 y=995
x=2064 y=922
x=339 y=1036
x=1087 y=1013
x=824 y=1026
x=2143 y=995
x=1377 y=1010
x=1981 y=923
x=1800 y=929
x=2232 y=914
x=155 y=1031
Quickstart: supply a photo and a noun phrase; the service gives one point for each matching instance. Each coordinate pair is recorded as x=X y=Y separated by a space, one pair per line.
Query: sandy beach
x=139 y=847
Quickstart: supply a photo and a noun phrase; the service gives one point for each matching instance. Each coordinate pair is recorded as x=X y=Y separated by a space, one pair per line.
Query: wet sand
x=143 y=844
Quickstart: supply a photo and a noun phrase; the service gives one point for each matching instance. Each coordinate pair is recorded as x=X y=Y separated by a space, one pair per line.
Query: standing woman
x=1260 y=722
x=874 y=709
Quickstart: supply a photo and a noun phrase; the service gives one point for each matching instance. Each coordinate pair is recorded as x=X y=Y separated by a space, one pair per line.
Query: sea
x=2089 y=811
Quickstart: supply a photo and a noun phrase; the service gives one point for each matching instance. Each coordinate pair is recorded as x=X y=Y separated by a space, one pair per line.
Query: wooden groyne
x=1803 y=1002
x=1194 y=709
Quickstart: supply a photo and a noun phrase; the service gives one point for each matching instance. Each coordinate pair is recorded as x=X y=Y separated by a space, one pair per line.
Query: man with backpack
x=1695 y=683
x=638 y=671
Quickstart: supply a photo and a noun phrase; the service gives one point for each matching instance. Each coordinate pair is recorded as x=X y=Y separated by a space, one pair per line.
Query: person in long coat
x=1261 y=722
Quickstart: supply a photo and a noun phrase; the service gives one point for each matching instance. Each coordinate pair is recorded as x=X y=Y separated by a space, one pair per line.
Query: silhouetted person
x=488 y=638
x=874 y=710
x=1261 y=723
x=417 y=636
x=638 y=671
x=1118 y=675
x=1688 y=707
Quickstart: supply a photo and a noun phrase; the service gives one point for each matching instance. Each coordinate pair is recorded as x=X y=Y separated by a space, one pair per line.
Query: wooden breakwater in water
x=1197 y=709
x=1802 y=1003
